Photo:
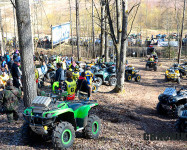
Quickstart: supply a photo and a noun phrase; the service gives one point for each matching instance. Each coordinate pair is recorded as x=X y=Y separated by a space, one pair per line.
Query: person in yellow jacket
x=76 y=73
x=70 y=86
x=4 y=78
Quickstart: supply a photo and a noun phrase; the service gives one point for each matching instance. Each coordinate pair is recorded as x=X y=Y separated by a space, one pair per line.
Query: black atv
x=130 y=73
x=152 y=64
x=171 y=100
x=181 y=123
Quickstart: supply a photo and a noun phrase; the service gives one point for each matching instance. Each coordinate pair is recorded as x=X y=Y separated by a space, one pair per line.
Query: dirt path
x=125 y=117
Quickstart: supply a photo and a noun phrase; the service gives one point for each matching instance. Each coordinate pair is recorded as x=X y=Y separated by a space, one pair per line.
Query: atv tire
x=27 y=133
x=128 y=77
x=95 y=88
x=99 y=81
x=160 y=109
x=178 y=80
x=63 y=135
x=155 y=68
x=138 y=78
x=180 y=125
x=112 y=81
x=92 y=128
x=146 y=67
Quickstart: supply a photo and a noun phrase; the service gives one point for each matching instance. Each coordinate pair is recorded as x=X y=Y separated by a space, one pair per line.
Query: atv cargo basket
x=41 y=101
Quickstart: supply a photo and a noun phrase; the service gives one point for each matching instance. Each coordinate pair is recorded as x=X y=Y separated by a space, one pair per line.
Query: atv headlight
x=180 y=111
x=49 y=115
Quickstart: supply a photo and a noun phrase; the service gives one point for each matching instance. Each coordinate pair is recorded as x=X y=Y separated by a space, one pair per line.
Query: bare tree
x=77 y=30
x=26 y=49
x=102 y=27
x=119 y=41
x=181 y=34
x=2 y=36
x=93 y=29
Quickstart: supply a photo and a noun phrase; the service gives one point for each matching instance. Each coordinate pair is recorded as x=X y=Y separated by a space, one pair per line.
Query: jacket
x=82 y=85
x=59 y=75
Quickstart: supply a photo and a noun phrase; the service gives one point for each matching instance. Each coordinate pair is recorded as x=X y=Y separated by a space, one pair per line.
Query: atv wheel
x=146 y=67
x=138 y=78
x=99 y=81
x=94 y=88
x=63 y=135
x=160 y=109
x=27 y=133
x=113 y=81
x=129 y=78
x=180 y=125
x=92 y=128
x=155 y=68
x=178 y=80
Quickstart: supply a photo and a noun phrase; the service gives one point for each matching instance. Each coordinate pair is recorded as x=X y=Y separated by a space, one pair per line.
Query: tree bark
x=71 y=23
x=106 y=40
x=26 y=50
x=102 y=27
x=93 y=30
x=122 y=60
x=181 y=35
x=2 y=36
x=77 y=30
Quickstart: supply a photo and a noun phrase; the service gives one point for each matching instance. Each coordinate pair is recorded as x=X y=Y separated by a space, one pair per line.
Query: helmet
x=175 y=65
x=103 y=56
x=9 y=83
x=88 y=67
x=76 y=68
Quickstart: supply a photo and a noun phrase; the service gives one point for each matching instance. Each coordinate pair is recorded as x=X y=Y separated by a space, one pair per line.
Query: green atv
x=130 y=73
x=59 y=120
x=106 y=75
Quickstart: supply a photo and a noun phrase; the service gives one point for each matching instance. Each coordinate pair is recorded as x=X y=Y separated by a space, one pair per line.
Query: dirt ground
x=125 y=117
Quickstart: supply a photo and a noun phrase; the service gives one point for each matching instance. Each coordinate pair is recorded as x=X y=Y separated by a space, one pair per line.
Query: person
x=82 y=87
x=64 y=64
x=89 y=77
x=102 y=59
x=7 y=58
x=41 y=57
x=11 y=62
x=3 y=78
x=59 y=73
x=16 y=75
x=72 y=66
x=70 y=86
x=9 y=99
x=76 y=73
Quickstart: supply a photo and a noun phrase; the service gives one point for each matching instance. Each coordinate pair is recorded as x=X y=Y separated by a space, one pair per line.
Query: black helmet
x=103 y=56
x=88 y=67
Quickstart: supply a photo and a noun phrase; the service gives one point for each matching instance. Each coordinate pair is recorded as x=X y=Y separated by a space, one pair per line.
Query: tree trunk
x=93 y=30
x=106 y=40
x=2 y=36
x=77 y=30
x=71 y=23
x=119 y=32
x=122 y=60
x=102 y=27
x=26 y=49
x=180 y=40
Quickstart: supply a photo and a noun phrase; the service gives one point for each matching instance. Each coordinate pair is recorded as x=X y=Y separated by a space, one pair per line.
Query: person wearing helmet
x=102 y=59
x=76 y=73
x=70 y=86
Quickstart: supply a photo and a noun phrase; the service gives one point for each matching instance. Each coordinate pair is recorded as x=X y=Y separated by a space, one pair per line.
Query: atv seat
x=74 y=106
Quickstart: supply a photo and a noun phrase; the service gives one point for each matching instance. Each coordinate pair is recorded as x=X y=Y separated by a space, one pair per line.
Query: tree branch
x=13 y=4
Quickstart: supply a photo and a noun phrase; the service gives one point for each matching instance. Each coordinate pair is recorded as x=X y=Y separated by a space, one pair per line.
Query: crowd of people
x=11 y=93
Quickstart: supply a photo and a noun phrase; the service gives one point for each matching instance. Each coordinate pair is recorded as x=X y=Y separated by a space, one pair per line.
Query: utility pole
x=2 y=36
x=71 y=23
x=77 y=30
x=93 y=30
